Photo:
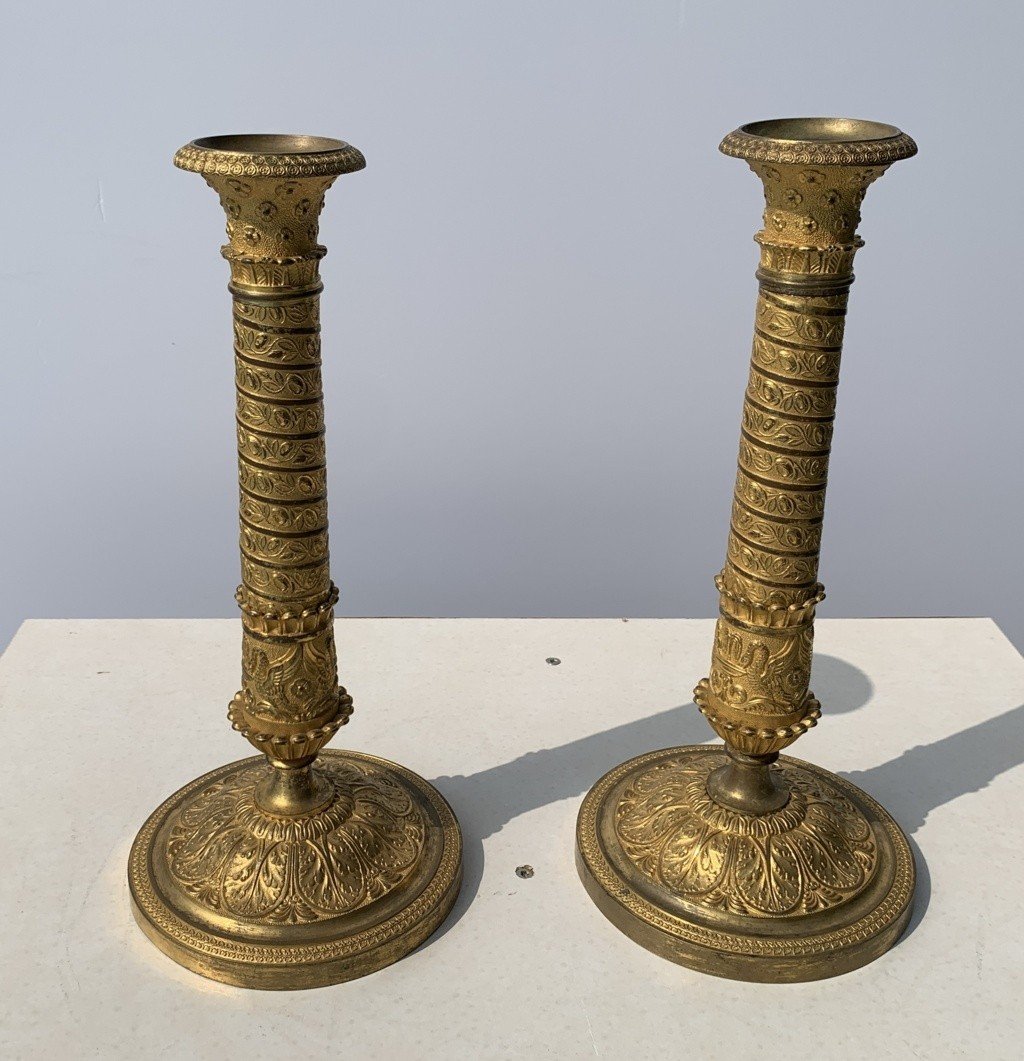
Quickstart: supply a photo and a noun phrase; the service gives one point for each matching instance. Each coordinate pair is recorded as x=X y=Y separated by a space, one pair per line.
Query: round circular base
x=240 y=895
x=817 y=888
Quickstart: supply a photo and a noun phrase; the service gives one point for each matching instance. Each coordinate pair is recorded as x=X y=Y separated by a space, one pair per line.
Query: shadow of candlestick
x=486 y=801
x=909 y=786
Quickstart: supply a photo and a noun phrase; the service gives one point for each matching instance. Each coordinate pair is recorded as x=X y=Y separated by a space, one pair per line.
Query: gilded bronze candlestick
x=733 y=861
x=298 y=867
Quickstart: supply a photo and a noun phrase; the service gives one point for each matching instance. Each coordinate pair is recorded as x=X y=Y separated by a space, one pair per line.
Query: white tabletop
x=104 y=719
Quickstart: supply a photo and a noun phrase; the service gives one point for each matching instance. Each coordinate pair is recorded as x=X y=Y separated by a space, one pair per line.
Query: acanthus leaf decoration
x=235 y=859
x=814 y=854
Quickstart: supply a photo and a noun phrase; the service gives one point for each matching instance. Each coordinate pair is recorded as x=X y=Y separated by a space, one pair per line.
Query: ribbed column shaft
x=290 y=702
x=757 y=694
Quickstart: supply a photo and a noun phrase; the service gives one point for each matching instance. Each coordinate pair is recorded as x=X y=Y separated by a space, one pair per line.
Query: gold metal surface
x=733 y=861
x=288 y=870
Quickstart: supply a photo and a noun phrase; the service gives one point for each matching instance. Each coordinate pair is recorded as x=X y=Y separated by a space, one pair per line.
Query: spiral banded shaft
x=757 y=695
x=289 y=683
x=290 y=703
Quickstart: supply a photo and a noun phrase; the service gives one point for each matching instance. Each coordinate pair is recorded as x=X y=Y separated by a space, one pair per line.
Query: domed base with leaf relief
x=817 y=888
x=241 y=895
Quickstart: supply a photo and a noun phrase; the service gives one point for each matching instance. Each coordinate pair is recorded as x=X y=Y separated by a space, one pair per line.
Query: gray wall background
x=539 y=300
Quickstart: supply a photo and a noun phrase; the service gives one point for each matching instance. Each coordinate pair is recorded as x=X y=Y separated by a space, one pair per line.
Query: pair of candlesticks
x=303 y=867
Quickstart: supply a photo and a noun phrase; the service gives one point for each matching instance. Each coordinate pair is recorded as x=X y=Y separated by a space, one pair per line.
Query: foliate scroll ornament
x=276 y=452
x=781 y=397
x=761 y=673
x=290 y=682
x=783 y=468
x=285 y=584
x=286 y=551
x=778 y=429
x=755 y=739
x=283 y=419
x=784 y=324
x=775 y=500
x=270 y=382
x=287 y=743
x=754 y=604
x=756 y=696
x=771 y=566
x=833 y=261
x=287 y=519
x=773 y=533
x=236 y=860
x=290 y=314
x=298 y=274
x=814 y=854
x=253 y=342
x=795 y=364
x=802 y=298
x=282 y=485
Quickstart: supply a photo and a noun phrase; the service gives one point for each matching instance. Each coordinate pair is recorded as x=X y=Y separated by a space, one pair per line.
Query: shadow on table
x=928 y=776
x=840 y=686
x=910 y=786
x=485 y=801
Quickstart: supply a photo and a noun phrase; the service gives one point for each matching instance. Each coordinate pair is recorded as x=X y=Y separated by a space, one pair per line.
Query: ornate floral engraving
x=776 y=567
x=791 y=599
x=303 y=313
x=756 y=695
x=291 y=519
x=260 y=381
x=783 y=467
x=763 y=673
x=778 y=501
x=799 y=327
x=288 y=349
x=282 y=485
x=292 y=682
x=289 y=584
x=270 y=549
x=234 y=859
x=799 y=365
x=274 y=272
x=807 y=435
x=291 y=453
x=290 y=702
x=812 y=261
x=780 y=397
x=772 y=534
x=814 y=854
x=284 y=419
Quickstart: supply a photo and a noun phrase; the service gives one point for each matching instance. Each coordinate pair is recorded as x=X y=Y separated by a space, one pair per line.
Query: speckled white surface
x=926 y=714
